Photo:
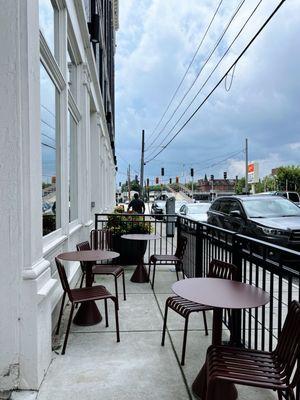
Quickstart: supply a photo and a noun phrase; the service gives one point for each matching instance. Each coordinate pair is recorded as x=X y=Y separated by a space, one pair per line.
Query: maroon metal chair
x=103 y=269
x=169 y=259
x=184 y=307
x=82 y=295
x=269 y=370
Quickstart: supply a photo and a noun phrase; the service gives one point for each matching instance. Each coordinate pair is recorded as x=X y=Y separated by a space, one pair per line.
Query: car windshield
x=198 y=208
x=270 y=207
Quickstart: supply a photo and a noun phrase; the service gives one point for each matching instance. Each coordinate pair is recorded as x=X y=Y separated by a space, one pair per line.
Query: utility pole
x=142 y=165
x=246 y=166
x=129 y=197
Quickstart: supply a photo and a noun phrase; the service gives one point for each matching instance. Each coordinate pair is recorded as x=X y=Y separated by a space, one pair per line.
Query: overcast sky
x=155 y=44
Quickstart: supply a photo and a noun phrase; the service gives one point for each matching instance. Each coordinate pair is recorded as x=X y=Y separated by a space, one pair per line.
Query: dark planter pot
x=130 y=250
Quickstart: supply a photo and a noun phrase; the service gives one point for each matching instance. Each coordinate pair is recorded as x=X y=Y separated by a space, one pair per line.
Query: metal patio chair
x=269 y=370
x=81 y=295
x=184 y=307
x=103 y=269
x=168 y=259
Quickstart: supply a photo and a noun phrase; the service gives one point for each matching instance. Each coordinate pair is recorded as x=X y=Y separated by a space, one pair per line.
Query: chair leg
x=106 y=313
x=153 y=276
x=81 y=282
x=124 y=288
x=165 y=324
x=116 y=290
x=176 y=268
x=279 y=394
x=205 y=323
x=68 y=330
x=184 y=339
x=60 y=313
x=117 y=321
x=149 y=272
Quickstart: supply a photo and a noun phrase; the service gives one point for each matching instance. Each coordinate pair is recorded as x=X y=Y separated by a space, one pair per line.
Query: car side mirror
x=236 y=214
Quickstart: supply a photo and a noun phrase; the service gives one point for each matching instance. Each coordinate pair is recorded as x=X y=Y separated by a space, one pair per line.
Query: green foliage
x=240 y=186
x=134 y=185
x=288 y=177
x=121 y=223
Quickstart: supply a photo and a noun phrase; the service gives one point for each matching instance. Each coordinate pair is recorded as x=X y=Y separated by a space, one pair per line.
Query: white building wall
x=29 y=286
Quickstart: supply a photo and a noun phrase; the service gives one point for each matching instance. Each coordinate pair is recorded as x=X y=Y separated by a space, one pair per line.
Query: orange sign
x=251 y=167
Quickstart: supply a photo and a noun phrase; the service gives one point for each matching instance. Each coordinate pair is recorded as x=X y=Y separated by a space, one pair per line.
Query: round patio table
x=140 y=274
x=88 y=312
x=219 y=294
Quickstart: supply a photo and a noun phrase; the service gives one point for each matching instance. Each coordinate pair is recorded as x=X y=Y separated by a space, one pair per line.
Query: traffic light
x=192 y=172
x=147 y=182
x=212 y=177
x=177 y=179
x=162 y=172
x=170 y=181
x=157 y=180
x=225 y=175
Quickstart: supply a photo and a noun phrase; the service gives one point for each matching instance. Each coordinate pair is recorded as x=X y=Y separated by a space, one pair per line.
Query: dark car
x=158 y=209
x=270 y=218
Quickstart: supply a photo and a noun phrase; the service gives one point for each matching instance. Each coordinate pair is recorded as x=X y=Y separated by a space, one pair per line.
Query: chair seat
x=184 y=307
x=165 y=257
x=243 y=366
x=90 y=293
x=107 y=269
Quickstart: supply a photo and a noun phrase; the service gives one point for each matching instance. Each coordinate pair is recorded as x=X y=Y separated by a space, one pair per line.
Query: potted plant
x=121 y=223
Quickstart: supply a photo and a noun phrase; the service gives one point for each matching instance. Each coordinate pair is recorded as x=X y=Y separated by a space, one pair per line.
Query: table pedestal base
x=140 y=274
x=87 y=314
x=220 y=390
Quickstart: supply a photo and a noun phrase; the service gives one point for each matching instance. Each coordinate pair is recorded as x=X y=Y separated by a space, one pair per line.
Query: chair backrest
x=63 y=278
x=222 y=269
x=81 y=247
x=181 y=246
x=101 y=239
x=288 y=346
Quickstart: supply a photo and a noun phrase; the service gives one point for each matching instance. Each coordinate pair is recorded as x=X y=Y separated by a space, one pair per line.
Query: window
x=225 y=206
x=73 y=169
x=71 y=72
x=48 y=20
x=49 y=143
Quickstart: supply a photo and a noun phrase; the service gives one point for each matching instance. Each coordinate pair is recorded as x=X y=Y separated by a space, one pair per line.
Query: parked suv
x=293 y=196
x=270 y=218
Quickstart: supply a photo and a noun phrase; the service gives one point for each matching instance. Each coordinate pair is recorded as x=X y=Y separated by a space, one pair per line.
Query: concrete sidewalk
x=96 y=367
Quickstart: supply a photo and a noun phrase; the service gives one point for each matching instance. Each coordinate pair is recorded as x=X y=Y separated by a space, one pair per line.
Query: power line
x=187 y=70
x=48 y=145
x=220 y=81
x=199 y=72
x=47 y=109
x=209 y=76
x=46 y=123
x=48 y=137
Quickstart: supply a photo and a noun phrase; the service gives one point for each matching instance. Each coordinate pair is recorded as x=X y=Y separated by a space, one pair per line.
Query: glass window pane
x=72 y=159
x=48 y=97
x=71 y=73
x=47 y=22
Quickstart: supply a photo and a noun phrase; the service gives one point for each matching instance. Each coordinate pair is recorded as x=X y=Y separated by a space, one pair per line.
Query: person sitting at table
x=137 y=205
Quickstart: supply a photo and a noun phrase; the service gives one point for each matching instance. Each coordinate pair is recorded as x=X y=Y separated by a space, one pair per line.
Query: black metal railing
x=272 y=268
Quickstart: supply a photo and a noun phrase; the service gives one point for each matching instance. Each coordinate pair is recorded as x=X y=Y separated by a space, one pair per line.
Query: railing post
x=236 y=320
x=178 y=223
x=199 y=251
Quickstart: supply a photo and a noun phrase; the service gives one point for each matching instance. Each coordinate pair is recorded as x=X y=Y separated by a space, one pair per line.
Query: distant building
x=206 y=190
x=58 y=163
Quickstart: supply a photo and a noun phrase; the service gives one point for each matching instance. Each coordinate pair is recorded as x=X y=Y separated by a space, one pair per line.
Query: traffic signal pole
x=142 y=165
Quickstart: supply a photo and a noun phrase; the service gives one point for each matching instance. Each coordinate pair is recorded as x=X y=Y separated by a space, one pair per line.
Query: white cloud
x=156 y=41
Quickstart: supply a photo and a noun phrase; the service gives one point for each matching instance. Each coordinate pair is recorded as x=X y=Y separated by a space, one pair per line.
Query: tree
x=239 y=187
x=288 y=177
